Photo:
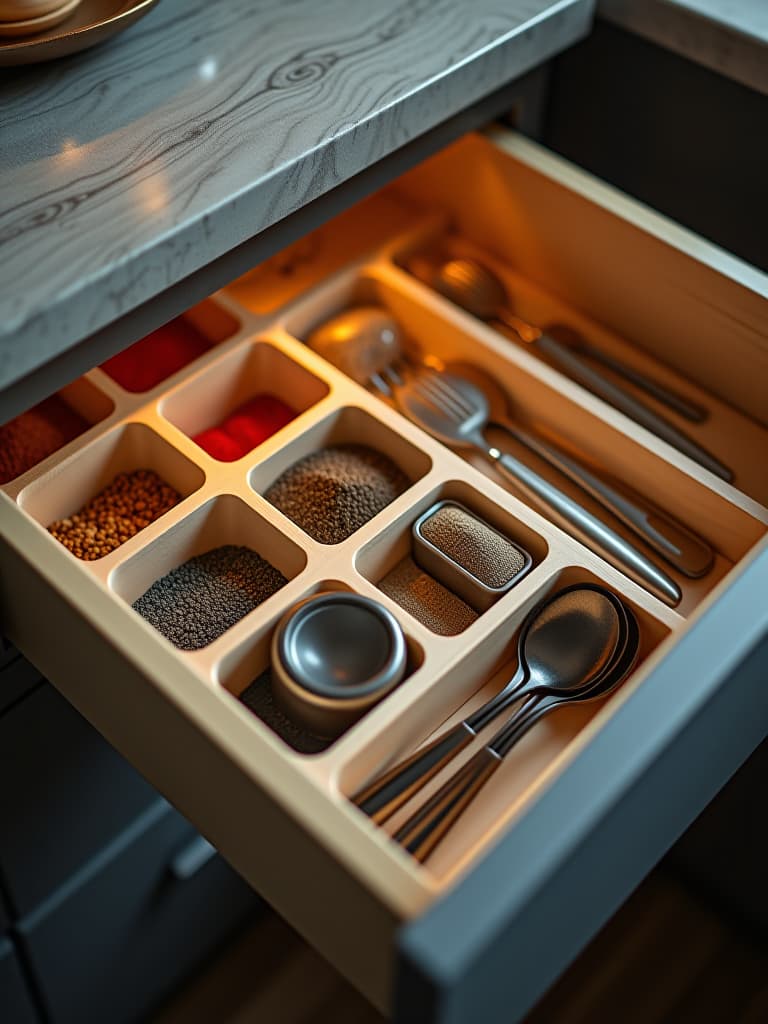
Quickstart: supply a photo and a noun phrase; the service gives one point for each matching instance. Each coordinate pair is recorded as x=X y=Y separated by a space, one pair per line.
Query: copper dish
x=91 y=23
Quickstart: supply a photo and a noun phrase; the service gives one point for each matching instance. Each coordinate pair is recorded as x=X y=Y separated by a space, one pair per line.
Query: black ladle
x=421 y=833
x=564 y=644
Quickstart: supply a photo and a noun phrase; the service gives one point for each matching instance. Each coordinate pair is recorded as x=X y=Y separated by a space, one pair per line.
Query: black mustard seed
x=195 y=603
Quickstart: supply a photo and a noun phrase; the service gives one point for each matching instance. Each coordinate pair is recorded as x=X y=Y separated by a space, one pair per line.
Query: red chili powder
x=36 y=434
x=157 y=356
x=250 y=424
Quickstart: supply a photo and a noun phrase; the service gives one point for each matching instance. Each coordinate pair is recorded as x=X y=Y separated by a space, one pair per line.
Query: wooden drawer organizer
x=283 y=818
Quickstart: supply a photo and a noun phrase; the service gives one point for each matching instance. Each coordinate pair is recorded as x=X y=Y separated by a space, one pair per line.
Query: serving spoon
x=473 y=286
x=422 y=832
x=362 y=341
x=566 y=643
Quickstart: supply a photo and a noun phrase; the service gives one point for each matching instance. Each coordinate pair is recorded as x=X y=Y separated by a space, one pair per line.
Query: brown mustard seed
x=130 y=503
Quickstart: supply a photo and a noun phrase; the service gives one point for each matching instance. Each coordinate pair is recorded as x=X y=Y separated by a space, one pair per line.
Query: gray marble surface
x=727 y=36
x=125 y=168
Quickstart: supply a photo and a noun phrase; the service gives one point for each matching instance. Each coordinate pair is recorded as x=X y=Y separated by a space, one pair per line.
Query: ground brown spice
x=333 y=492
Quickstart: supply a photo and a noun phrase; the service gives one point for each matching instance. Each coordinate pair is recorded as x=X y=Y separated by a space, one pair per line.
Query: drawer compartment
x=284 y=818
x=140 y=917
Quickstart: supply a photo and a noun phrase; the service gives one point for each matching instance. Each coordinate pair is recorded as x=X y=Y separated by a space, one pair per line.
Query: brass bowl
x=34 y=16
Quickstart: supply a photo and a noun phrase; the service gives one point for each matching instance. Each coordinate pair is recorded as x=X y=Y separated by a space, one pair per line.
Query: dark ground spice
x=195 y=603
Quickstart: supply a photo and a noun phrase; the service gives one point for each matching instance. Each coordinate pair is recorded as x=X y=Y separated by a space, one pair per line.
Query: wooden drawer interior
x=569 y=249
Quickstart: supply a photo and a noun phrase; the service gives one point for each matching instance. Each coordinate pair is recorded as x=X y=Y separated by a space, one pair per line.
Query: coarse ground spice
x=250 y=424
x=333 y=492
x=473 y=545
x=114 y=515
x=157 y=356
x=436 y=607
x=195 y=603
x=36 y=434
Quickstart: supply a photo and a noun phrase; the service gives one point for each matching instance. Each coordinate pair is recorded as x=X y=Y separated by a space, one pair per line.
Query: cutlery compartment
x=549 y=406
x=574 y=251
x=479 y=672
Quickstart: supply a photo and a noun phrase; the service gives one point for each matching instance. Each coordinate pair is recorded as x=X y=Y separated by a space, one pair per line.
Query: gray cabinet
x=136 y=920
x=64 y=793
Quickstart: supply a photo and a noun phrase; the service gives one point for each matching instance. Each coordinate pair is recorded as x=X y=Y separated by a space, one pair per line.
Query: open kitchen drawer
x=589 y=799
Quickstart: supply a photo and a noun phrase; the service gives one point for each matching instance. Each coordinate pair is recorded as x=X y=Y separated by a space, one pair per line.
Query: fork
x=456 y=412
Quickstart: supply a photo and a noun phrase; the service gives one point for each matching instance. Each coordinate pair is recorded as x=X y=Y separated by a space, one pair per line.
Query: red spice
x=36 y=434
x=250 y=424
x=161 y=353
x=219 y=445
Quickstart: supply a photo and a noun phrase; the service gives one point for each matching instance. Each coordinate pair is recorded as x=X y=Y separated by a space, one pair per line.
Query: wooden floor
x=665 y=958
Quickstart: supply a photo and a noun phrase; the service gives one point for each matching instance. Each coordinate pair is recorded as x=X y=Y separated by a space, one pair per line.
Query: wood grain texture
x=666 y=957
x=125 y=168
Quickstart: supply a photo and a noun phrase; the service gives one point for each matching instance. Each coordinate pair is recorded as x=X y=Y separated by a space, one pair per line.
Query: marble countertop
x=128 y=167
x=727 y=36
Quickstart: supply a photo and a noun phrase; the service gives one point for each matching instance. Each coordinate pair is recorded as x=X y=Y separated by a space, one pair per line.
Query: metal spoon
x=456 y=412
x=361 y=342
x=673 y=541
x=477 y=289
x=565 y=643
x=422 y=832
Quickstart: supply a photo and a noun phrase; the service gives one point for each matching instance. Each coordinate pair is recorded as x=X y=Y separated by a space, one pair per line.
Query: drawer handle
x=192 y=858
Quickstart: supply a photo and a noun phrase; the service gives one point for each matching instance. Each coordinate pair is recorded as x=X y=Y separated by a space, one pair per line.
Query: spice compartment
x=160 y=358
x=125 y=449
x=222 y=522
x=34 y=440
x=388 y=560
x=245 y=673
x=242 y=378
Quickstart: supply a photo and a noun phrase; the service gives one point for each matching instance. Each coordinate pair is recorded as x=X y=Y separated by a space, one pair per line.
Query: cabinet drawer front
x=436 y=933
x=61 y=809
x=114 y=945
